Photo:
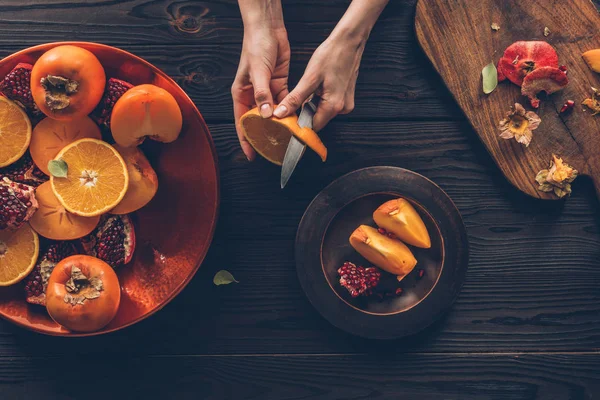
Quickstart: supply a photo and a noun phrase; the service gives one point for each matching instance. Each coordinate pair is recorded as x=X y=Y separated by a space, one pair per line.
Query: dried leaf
x=224 y=277
x=546 y=31
x=490 y=78
x=495 y=27
x=58 y=168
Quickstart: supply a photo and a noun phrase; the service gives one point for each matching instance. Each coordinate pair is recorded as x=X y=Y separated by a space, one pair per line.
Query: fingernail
x=280 y=111
x=265 y=110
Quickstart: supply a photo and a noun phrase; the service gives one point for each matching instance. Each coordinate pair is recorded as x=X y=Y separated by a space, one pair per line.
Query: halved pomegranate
x=523 y=57
x=113 y=240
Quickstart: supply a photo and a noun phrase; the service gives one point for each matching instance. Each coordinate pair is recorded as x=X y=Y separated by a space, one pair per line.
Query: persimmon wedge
x=52 y=221
x=389 y=254
x=271 y=136
x=50 y=136
x=399 y=217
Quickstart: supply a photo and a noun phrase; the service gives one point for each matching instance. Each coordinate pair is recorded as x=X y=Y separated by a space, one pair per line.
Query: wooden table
x=526 y=325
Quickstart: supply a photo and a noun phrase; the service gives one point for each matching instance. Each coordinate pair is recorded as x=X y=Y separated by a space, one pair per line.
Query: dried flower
x=546 y=31
x=557 y=178
x=495 y=27
x=519 y=124
x=593 y=103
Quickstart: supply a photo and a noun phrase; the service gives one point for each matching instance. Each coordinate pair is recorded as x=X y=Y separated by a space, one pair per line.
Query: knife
x=295 y=149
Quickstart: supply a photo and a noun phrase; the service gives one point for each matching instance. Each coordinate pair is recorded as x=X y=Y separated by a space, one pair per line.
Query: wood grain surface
x=525 y=326
x=456 y=36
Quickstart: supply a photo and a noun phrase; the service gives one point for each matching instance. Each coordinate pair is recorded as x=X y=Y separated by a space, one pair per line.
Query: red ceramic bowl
x=173 y=232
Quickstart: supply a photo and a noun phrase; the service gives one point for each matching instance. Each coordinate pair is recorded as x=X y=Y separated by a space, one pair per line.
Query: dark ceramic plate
x=173 y=232
x=322 y=247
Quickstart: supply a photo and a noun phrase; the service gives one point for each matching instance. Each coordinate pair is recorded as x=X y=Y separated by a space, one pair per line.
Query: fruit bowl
x=173 y=232
x=322 y=247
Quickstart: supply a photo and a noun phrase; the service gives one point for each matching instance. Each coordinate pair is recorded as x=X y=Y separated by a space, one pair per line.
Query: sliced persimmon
x=96 y=178
x=50 y=136
x=143 y=182
x=52 y=221
x=399 y=217
x=15 y=132
x=271 y=136
x=18 y=254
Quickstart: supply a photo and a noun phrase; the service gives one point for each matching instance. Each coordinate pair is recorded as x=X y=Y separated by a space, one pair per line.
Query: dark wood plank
x=376 y=376
x=441 y=30
x=392 y=83
x=532 y=283
x=168 y=22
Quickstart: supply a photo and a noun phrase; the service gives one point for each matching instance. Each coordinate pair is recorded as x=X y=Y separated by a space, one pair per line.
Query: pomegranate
x=24 y=171
x=113 y=240
x=37 y=281
x=358 y=280
x=16 y=86
x=17 y=204
x=115 y=88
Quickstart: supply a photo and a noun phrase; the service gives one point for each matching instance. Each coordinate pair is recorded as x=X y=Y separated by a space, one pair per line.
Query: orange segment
x=97 y=178
x=15 y=132
x=52 y=221
x=50 y=136
x=271 y=136
x=18 y=254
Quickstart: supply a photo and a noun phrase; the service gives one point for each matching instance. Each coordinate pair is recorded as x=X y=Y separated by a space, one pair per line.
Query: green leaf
x=58 y=168
x=223 y=277
x=490 y=78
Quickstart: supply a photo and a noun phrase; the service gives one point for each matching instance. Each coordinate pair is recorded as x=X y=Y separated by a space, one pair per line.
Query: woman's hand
x=331 y=73
x=262 y=75
x=332 y=70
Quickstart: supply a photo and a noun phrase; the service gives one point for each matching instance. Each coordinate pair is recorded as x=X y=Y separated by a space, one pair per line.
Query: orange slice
x=50 y=136
x=96 y=181
x=271 y=136
x=18 y=254
x=15 y=132
x=52 y=221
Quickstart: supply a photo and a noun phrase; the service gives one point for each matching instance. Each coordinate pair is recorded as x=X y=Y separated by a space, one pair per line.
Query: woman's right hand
x=262 y=76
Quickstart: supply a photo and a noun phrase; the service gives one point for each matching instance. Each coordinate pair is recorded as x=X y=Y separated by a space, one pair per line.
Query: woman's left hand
x=331 y=73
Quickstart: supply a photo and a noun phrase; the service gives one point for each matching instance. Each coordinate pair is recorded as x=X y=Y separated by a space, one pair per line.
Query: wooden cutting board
x=457 y=37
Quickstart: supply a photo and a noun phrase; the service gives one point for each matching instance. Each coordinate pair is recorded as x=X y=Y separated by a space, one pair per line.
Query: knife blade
x=296 y=148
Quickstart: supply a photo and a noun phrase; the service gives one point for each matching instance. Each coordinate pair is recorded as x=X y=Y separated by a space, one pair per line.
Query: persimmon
x=389 y=254
x=399 y=217
x=145 y=111
x=143 y=182
x=51 y=136
x=270 y=136
x=83 y=293
x=67 y=82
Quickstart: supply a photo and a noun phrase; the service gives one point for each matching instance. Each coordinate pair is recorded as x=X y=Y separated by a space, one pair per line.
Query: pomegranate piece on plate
x=523 y=57
x=113 y=240
x=17 y=204
x=115 y=88
x=545 y=79
x=358 y=280
x=24 y=171
x=37 y=281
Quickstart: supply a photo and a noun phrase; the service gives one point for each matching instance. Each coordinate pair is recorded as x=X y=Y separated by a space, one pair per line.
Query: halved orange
x=50 y=136
x=18 y=254
x=15 y=132
x=96 y=181
x=271 y=136
x=52 y=221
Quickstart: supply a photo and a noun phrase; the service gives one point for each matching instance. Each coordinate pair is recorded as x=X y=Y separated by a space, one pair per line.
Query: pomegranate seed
x=382 y=231
x=563 y=68
x=399 y=291
x=391 y=235
x=567 y=106
x=421 y=273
